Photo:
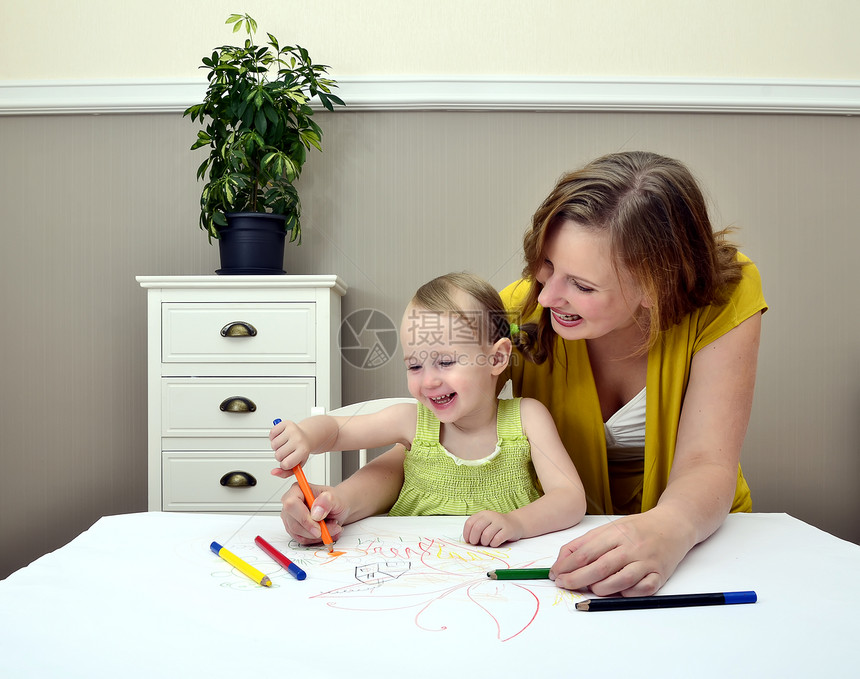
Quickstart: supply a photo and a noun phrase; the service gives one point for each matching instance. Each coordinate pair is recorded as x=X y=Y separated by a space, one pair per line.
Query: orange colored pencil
x=309 y=499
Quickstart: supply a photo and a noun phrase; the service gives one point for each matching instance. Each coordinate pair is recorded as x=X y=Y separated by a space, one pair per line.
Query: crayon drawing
x=432 y=578
x=436 y=583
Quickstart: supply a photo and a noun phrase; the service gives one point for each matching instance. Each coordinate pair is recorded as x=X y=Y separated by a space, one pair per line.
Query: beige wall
x=91 y=201
x=795 y=39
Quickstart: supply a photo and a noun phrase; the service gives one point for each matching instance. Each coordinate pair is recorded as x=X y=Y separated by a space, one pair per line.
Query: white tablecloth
x=141 y=595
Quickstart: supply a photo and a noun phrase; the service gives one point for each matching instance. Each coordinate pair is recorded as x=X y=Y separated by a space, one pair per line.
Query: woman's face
x=586 y=297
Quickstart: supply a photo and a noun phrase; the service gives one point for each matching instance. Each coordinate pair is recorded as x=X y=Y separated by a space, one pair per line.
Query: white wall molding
x=827 y=97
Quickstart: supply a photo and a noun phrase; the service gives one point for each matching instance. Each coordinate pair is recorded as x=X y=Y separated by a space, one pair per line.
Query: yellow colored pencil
x=257 y=576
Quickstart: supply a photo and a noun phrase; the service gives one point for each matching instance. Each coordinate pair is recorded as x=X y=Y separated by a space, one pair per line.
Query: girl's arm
x=636 y=554
x=561 y=506
x=293 y=442
x=371 y=490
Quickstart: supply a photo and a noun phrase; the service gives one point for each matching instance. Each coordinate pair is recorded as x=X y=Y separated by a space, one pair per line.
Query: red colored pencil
x=280 y=558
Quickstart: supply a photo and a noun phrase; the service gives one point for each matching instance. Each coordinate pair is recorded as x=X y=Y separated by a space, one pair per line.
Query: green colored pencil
x=519 y=574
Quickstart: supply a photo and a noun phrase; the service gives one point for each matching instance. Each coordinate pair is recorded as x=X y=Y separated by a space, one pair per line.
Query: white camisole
x=625 y=431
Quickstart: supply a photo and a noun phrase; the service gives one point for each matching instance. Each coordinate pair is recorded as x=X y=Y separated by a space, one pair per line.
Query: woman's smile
x=567 y=320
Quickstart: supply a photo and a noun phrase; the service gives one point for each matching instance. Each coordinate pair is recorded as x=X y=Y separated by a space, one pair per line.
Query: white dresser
x=226 y=356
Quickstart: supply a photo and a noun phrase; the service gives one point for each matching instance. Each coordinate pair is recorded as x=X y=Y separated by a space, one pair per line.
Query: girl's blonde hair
x=489 y=321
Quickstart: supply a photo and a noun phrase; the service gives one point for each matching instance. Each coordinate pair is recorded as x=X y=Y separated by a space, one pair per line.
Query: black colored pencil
x=666 y=601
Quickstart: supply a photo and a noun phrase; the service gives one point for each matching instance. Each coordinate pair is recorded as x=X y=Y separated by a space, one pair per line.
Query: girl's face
x=586 y=297
x=448 y=368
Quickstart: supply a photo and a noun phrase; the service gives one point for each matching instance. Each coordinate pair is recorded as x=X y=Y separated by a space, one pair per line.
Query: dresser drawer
x=209 y=406
x=238 y=332
x=193 y=481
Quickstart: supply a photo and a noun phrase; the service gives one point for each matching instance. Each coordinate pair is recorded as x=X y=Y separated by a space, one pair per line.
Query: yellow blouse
x=571 y=395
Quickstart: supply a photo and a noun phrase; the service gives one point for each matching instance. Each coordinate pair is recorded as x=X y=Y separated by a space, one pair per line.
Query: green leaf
x=325 y=101
x=242 y=107
x=256 y=138
x=270 y=111
x=261 y=123
x=201 y=171
x=268 y=157
x=310 y=138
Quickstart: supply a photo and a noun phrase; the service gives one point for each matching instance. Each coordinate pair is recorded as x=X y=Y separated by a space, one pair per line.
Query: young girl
x=464 y=451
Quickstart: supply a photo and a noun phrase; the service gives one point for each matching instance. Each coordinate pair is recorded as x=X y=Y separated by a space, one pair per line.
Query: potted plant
x=258 y=129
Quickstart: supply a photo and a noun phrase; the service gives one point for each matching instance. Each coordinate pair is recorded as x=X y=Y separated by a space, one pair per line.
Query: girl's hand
x=491 y=529
x=631 y=556
x=291 y=445
x=303 y=524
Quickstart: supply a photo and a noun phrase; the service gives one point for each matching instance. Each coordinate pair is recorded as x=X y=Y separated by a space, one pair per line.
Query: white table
x=141 y=595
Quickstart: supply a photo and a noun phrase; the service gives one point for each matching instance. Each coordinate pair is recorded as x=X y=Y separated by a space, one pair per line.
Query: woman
x=642 y=337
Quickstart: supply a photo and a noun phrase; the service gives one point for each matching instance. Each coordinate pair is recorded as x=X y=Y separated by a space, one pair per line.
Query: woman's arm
x=561 y=506
x=371 y=490
x=636 y=554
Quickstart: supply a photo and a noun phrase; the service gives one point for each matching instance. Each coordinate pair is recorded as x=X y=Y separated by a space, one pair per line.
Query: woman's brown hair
x=659 y=232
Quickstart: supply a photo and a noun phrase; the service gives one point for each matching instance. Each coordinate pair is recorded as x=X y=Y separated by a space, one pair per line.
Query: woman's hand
x=632 y=556
x=302 y=523
x=491 y=529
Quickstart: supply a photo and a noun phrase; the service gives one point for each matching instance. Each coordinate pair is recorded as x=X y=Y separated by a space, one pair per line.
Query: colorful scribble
x=429 y=572
x=439 y=582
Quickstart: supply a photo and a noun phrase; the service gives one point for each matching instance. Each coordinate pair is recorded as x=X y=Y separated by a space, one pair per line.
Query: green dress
x=437 y=482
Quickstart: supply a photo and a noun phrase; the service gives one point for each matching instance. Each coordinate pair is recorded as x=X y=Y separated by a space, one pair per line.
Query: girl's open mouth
x=442 y=400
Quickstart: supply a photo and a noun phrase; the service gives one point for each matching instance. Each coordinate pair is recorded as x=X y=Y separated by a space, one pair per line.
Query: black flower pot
x=252 y=243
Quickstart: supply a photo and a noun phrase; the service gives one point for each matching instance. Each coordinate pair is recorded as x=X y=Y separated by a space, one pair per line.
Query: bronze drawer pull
x=238 y=480
x=238 y=329
x=238 y=404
